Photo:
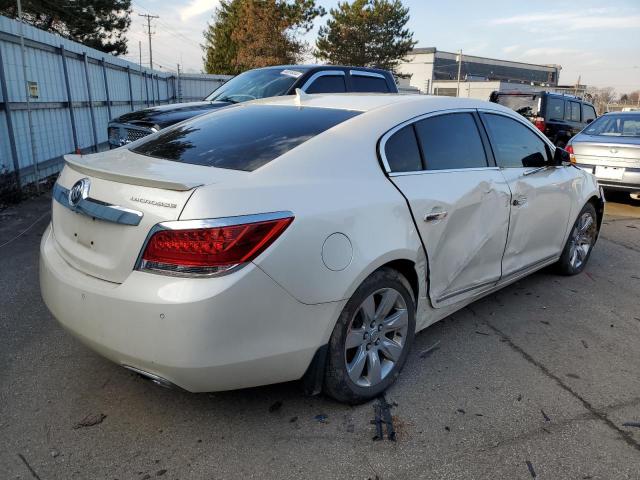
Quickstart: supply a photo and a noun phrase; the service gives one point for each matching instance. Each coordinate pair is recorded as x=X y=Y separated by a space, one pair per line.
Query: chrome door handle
x=434 y=217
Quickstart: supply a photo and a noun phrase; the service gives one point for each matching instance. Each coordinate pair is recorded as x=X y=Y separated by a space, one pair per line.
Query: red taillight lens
x=539 y=123
x=207 y=251
x=572 y=157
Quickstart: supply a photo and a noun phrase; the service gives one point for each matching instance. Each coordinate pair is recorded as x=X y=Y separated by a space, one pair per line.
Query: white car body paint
x=263 y=323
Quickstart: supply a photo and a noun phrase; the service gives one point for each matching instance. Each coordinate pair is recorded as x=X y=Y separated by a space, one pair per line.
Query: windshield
x=526 y=105
x=615 y=126
x=254 y=84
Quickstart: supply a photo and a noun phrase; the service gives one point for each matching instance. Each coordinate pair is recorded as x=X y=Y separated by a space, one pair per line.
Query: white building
x=436 y=72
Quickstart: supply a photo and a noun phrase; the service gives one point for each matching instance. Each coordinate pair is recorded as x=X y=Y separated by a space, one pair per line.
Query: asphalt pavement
x=535 y=381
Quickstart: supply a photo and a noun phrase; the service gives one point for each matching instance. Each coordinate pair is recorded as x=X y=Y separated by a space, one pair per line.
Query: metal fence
x=61 y=98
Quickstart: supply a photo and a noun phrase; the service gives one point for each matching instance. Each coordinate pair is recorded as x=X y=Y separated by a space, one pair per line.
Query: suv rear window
x=241 y=137
x=555 y=108
x=527 y=105
x=365 y=84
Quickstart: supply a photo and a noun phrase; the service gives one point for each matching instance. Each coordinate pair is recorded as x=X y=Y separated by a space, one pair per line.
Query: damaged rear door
x=444 y=167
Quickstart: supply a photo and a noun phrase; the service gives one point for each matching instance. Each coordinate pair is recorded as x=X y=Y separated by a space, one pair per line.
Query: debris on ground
x=382 y=411
x=545 y=322
x=546 y=418
x=460 y=410
x=519 y=397
x=584 y=344
x=631 y=424
x=55 y=453
x=447 y=428
x=293 y=419
x=573 y=375
x=275 y=407
x=531 y=470
x=90 y=420
x=427 y=352
x=322 y=418
x=159 y=473
x=482 y=333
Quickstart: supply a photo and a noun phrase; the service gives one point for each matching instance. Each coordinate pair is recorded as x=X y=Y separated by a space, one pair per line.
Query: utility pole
x=149 y=17
x=575 y=90
x=179 y=87
x=140 y=50
x=459 y=68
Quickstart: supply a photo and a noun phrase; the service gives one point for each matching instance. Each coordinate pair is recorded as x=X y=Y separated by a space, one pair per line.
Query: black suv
x=556 y=115
x=251 y=85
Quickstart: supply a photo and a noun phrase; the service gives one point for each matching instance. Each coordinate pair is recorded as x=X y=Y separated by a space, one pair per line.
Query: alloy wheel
x=582 y=238
x=376 y=337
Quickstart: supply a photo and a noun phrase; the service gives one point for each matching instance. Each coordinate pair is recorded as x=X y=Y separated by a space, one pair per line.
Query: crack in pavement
x=633 y=249
x=626 y=436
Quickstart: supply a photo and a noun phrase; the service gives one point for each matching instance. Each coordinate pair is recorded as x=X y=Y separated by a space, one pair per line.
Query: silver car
x=610 y=149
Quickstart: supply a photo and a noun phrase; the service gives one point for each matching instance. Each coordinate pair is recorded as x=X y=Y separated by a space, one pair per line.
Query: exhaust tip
x=156 y=379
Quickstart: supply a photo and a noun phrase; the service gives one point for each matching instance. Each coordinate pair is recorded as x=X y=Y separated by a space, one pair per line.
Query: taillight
x=539 y=123
x=210 y=250
x=572 y=157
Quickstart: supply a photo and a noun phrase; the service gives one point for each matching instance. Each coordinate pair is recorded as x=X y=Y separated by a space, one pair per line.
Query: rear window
x=526 y=105
x=243 y=137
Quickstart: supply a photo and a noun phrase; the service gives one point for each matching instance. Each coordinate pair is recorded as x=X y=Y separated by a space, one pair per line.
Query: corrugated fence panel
x=116 y=87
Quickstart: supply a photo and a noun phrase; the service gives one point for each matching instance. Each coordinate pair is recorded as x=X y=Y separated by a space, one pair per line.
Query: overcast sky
x=599 y=41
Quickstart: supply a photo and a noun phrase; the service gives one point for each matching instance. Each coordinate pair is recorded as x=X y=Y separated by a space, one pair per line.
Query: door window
x=514 y=145
x=402 y=152
x=328 y=84
x=451 y=141
x=369 y=84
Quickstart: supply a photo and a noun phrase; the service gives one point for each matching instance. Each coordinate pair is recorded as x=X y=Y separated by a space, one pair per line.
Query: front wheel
x=580 y=242
x=371 y=340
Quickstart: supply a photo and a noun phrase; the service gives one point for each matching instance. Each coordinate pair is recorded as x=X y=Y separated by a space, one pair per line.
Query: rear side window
x=328 y=84
x=241 y=137
x=361 y=83
x=572 y=112
x=514 y=145
x=402 y=152
x=588 y=113
x=555 y=108
x=451 y=141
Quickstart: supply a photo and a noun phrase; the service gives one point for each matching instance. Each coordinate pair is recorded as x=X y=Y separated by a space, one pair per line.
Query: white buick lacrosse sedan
x=306 y=237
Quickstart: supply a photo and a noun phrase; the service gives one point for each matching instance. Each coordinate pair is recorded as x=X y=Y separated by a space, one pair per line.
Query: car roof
x=307 y=67
x=365 y=102
x=628 y=112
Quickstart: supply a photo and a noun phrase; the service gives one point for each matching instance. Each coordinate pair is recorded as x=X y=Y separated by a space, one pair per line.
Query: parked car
x=252 y=85
x=306 y=237
x=610 y=149
x=558 y=116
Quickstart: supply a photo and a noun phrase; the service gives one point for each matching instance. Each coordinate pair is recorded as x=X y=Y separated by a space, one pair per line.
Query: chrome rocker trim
x=97 y=209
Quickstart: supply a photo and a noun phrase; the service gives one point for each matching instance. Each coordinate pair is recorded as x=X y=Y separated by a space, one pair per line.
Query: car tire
x=582 y=237
x=372 y=338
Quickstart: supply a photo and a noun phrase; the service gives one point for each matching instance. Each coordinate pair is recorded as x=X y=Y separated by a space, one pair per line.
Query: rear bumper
x=235 y=331
x=630 y=180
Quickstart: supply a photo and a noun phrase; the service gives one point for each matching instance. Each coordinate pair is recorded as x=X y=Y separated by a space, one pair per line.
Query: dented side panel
x=466 y=240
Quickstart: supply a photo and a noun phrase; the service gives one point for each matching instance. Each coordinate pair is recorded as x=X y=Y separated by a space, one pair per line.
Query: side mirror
x=560 y=157
x=590 y=120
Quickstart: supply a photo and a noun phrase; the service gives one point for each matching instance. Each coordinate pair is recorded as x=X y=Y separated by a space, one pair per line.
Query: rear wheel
x=371 y=340
x=580 y=242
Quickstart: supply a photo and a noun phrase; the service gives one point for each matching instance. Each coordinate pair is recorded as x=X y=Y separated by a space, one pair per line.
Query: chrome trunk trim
x=97 y=209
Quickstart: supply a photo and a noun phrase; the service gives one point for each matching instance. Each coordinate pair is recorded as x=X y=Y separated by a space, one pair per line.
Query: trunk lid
x=108 y=246
x=602 y=150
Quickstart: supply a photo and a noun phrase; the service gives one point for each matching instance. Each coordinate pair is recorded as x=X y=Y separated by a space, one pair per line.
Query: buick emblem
x=79 y=191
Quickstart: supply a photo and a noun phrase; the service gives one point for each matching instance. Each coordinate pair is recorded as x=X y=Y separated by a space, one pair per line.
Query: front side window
x=328 y=84
x=555 y=108
x=402 y=152
x=451 y=141
x=361 y=83
x=588 y=112
x=253 y=84
x=514 y=145
x=243 y=137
